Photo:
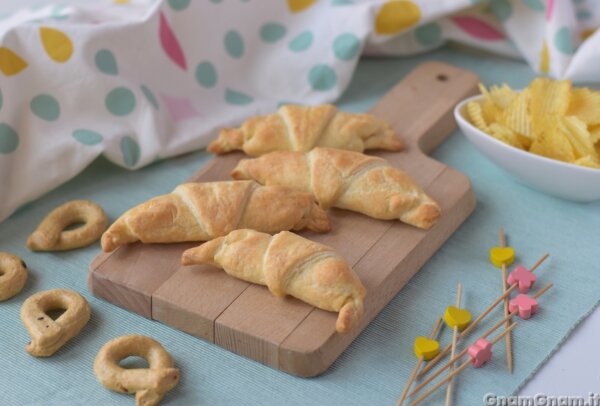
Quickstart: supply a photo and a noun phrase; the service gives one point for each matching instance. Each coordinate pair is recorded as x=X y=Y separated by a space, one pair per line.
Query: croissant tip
x=427 y=215
x=349 y=316
x=107 y=242
x=237 y=173
x=320 y=224
x=186 y=258
x=228 y=140
x=214 y=147
x=396 y=144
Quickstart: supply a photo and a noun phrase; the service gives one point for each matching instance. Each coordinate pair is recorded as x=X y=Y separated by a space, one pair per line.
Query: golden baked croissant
x=288 y=264
x=347 y=180
x=202 y=211
x=301 y=128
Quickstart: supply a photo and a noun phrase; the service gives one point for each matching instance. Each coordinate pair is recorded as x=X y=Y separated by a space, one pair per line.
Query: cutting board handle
x=430 y=93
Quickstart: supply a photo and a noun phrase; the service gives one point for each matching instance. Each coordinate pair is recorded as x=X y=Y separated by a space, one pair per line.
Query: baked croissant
x=202 y=211
x=347 y=180
x=301 y=128
x=288 y=264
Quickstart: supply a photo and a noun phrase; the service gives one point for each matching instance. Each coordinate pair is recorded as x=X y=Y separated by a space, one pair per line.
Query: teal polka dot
x=583 y=15
x=563 y=41
x=429 y=34
x=45 y=107
x=120 y=101
x=237 y=98
x=9 y=139
x=346 y=46
x=150 y=96
x=322 y=77
x=57 y=13
x=536 y=5
x=234 y=44
x=301 y=42
x=106 y=62
x=341 y=2
x=502 y=9
x=179 y=5
x=87 y=137
x=206 y=74
x=215 y=1
x=130 y=150
x=272 y=32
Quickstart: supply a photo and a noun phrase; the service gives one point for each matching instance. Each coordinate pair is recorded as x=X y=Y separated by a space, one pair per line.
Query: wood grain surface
x=286 y=333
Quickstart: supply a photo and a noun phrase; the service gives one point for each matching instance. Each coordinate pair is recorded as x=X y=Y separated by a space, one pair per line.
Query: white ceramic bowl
x=567 y=181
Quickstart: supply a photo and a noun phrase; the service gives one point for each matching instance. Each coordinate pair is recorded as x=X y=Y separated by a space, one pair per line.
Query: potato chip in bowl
x=547 y=135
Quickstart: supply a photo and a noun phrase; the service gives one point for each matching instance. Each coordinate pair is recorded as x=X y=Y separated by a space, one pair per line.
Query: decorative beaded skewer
x=483 y=336
x=455 y=323
x=487 y=311
x=463 y=366
x=504 y=256
x=420 y=360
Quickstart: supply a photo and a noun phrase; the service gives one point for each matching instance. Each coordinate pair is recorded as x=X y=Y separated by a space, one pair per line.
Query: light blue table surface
x=374 y=368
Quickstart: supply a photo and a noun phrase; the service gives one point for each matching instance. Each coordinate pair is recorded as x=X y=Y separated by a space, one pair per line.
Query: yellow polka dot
x=395 y=16
x=299 y=5
x=545 y=59
x=10 y=63
x=585 y=34
x=56 y=43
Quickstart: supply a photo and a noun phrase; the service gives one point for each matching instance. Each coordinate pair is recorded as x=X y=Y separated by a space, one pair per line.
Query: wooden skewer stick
x=508 y=339
x=543 y=290
x=464 y=351
x=539 y=262
x=458 y=370
x=479 y=318
x=413 y=374
x=453 y=348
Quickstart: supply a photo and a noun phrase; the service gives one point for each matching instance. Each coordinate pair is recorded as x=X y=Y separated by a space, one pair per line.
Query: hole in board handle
x=442 y=77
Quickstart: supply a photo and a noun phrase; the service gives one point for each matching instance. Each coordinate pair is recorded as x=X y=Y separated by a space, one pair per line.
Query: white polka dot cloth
x=139 y=81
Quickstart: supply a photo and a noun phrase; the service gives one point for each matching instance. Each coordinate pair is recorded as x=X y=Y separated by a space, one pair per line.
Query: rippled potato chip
x=476 y=114
x=595 y=134
x=552 y=142
x=505 y=135
x=549 y=97
x=588 y=161
x=548 y=118
x=516 y=115
x=585 y=104
x=578 y=135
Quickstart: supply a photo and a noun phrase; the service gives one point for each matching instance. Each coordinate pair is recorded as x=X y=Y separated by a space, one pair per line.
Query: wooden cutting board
x=286 y=333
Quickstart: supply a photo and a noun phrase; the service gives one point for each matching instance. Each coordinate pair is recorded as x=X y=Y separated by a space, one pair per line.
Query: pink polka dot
x=170 y=44
x=549 y=9
x=179 y=108
x=477 y=28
